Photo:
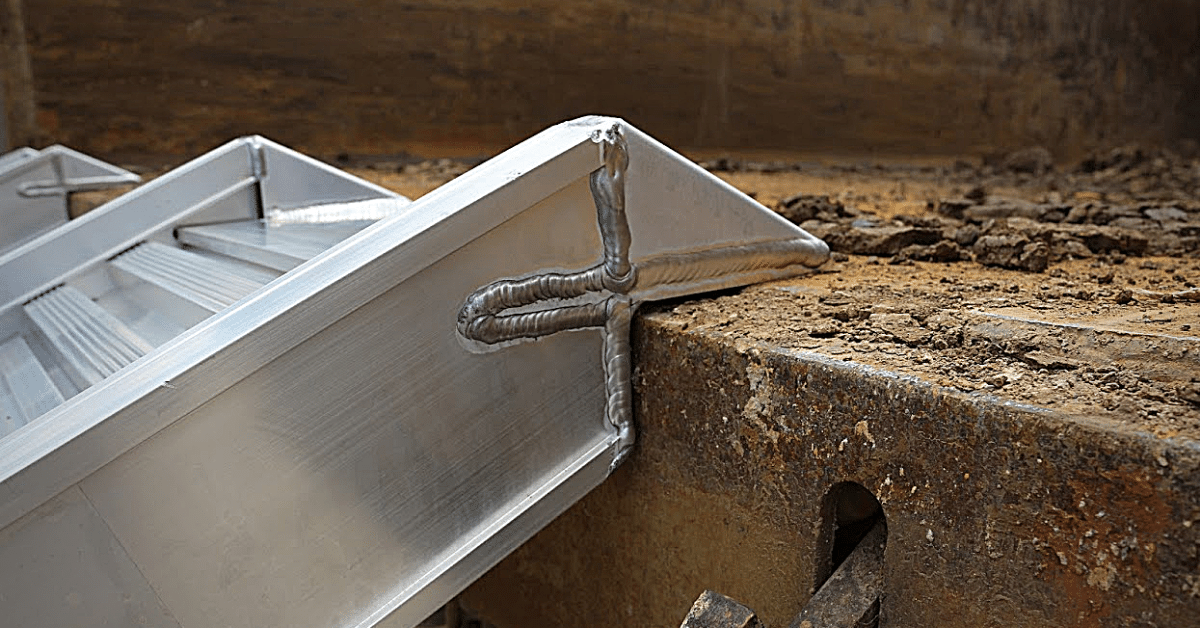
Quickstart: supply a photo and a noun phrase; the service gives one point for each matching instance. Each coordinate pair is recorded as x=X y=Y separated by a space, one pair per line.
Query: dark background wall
x=443 y=76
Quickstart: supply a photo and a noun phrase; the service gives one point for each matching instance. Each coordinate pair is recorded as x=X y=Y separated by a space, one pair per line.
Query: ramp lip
x=537 y=509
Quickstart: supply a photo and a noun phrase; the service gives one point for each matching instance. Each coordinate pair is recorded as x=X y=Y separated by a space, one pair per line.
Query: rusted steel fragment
x=713 y=610
x=849 y=599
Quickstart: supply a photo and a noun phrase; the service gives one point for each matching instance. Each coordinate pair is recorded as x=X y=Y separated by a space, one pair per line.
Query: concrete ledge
x=995 y=511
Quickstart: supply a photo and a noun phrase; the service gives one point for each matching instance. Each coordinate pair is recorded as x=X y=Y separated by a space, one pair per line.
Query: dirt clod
x=1189 y=393
x=1010 y=250
x=1008 y=231
x=1034 y=160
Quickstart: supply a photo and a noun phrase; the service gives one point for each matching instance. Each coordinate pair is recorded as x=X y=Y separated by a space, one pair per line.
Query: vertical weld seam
x=618 y=376
x=608 y=193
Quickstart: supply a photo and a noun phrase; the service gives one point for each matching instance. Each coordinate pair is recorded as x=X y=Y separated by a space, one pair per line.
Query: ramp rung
x=92 y=342
x=206 y=282
x=279 y=246
x=29 y=391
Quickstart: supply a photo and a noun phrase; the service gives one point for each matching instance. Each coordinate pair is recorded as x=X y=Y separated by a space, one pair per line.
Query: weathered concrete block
x=994 y=510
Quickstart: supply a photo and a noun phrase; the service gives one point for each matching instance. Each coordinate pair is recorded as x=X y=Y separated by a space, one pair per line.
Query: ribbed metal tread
x=93 y=344
x=278 y=246
x=206 y=282
x=26 y=390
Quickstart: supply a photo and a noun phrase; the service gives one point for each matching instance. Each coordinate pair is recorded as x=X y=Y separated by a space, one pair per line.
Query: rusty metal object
x=850 y=598
x=994 y=509
x=713 y=610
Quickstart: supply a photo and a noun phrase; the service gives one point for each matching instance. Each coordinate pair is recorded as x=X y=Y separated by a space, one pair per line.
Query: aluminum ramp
x=89 y=315
x=287 y=397
x=35 y=186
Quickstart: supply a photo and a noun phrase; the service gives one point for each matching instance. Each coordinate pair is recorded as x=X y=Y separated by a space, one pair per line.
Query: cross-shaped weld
x=483 y=316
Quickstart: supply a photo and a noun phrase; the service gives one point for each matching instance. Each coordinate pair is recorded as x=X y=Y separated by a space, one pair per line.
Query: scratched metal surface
x=342 y=473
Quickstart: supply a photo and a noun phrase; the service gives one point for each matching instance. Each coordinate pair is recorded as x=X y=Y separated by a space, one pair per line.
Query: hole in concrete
x=848 y=512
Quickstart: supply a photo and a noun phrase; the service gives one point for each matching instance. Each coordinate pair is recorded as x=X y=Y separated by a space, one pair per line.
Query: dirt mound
x=1020 y=234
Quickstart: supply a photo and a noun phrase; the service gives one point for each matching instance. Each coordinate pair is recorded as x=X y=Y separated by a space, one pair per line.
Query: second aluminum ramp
x=35 y=187
x=91 y=297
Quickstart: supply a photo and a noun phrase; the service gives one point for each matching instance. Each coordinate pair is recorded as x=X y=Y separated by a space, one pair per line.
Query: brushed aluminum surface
x=26 y=390
x=61 y=566
x=330 y=450
x=84 y=314
x=93 y=343
x=278 y=245
x=204 y=281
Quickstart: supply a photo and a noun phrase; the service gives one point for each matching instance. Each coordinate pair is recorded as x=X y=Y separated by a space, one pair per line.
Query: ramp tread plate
x=92 y=342
x=279 y=246
x=206 y=282
x=28 y=390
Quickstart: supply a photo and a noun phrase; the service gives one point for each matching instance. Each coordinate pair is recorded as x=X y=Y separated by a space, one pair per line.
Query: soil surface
x=1069 y=287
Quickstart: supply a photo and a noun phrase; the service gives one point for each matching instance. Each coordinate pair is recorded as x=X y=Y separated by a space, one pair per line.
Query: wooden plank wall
x=18 y=109
x=452 y=76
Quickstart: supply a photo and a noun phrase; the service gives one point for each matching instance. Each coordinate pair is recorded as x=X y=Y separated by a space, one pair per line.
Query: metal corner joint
x=608 y=294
